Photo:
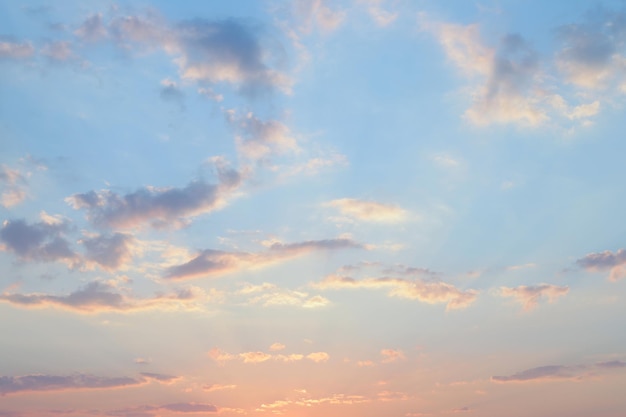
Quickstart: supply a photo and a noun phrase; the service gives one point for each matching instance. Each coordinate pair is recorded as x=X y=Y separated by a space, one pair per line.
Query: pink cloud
x=529 y=296
x=614 y=262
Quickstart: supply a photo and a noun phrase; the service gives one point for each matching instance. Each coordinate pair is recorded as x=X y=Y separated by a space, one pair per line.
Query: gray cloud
x=92 y=29
x=109 y=251
x=615 y=262
x=561 y=372
x=214 y=262
x=592 y=50
x=223 y=51
x=171 y=92
x=158 y=207
x=97 y=297
x=541 y=373
x=42 y=241
x=43 y=383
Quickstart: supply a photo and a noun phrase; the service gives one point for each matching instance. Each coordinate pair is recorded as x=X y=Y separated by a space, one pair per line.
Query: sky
x=351 y=208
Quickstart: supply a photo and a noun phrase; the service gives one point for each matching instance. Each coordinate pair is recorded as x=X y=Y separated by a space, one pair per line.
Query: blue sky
x=309 y=207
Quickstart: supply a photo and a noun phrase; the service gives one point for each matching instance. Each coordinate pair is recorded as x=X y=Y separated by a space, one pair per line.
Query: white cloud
x=371 y=211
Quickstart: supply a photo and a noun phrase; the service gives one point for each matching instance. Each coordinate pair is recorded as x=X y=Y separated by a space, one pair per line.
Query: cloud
x=98 y=296
x=318 y=357
x=223 y=51
x=392 y=355
x=43 y=383
x=529 y=296
x=92 y=29
x=269 y=295
x=12 y=186
x=369 y=210
x=591 y=55
x=10 y=49
x=170 y=91
x=431 y=292
x=58 y=51
x=111 y=252
x=42 y=241
x=176 y=408
x=508 y=80
x=289 y=298
x=257 y=139
x=381 y=16
x=218 y=387
x=277 y=346
x=159 y=207
x=334 y=399
x=221 y=357
x=615 y=263
x=561 y=372
x=211 y=262
x=316 y=14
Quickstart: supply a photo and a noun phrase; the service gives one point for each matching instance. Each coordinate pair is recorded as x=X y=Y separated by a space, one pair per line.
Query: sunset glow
x=312 y=208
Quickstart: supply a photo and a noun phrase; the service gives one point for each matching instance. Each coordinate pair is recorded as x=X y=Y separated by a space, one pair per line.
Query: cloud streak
x=561 y=372
x=76 y=382
x=254 y=357
x=431 y=292
x=158 y=207
x=211 y=262
x=98 y=297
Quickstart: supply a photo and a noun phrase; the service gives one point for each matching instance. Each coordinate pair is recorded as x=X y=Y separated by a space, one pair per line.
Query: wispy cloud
x=98 y=296
x=369 y=211
x=392 y=355
x=561 y=372
x=12 y=49
x=42 y=383
x=158 y=410
x=529 y=295
x=257 y=139
x=507 y=90
x=508 y=80
x=215 y=262
x=316 y=14
x=431 y=292
x=221 y=357
x=218 y=387
x=58 y=51
x=381 y=15
x=13 y=184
